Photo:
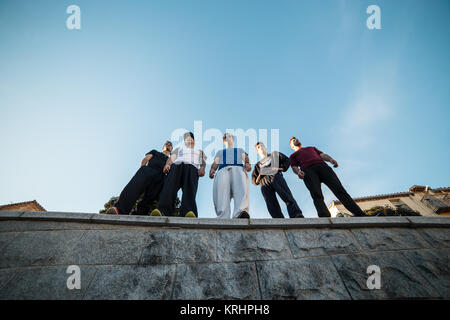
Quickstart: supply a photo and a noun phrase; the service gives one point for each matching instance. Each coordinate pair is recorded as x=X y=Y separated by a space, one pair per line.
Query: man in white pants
x=231 y=180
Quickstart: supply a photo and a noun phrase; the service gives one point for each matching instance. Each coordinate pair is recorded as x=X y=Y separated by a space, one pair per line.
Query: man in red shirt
x=309 y=164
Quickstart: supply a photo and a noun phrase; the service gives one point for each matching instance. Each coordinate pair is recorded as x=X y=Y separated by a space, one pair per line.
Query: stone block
x=434 y=266
x=179 y=246
x=437 y=221
x=128 y=220
x=45 y=283
x=57 y=216
x=37 y=248
x=436 y=237
x=131 y=283
x=302 y=279
x=230 y=281
x=379 y=239
x=290 y=223
x=318 y=242
x=370 y=222
x=399 y=278
x=251 y=245
x=207 y=223
x=106 y=247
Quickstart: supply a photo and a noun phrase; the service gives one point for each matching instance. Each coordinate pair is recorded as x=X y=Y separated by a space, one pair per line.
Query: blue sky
x=80 y=108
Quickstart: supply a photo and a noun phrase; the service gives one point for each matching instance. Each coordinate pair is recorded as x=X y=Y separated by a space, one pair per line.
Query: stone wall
x=134 y=257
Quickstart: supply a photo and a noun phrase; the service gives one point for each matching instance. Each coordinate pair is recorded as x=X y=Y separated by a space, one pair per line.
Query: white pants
x=231 y=182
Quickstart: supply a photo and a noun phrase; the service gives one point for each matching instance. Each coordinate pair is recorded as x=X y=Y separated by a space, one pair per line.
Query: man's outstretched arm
x=298 y=172
x=326 y=157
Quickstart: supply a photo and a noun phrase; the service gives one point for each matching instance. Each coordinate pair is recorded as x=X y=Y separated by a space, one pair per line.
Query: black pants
x=321 y=172
x=279 y=185
x=146 y=180
x=184 y=176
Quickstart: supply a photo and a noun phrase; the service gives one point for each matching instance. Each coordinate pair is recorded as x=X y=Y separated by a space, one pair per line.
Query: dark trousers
x=184 y=176
x=146 y=180
x=321 y=172
x=279 y=185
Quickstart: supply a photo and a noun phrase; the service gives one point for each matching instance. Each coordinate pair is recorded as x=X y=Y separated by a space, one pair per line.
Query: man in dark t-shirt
x=309 y=164
x=267 y=173
x=149 y=179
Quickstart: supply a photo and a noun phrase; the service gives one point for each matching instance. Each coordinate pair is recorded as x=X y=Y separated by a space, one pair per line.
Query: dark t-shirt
x=158 y=160
x=262 y=168
x=306 y=157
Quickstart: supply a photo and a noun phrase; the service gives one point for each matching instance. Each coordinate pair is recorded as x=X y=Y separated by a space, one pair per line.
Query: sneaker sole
x=190 y=215
x=156 y=213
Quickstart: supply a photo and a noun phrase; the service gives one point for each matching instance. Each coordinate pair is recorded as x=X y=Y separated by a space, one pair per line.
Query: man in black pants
x=313 y=170
x=184 y=167
x=149 y=179
x=267 y=174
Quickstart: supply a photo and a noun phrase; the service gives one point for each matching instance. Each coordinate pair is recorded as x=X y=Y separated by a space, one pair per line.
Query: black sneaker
x=298 y=215
x=243 y=215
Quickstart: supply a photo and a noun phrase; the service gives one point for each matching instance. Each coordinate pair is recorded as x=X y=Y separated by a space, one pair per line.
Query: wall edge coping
x=214 y=223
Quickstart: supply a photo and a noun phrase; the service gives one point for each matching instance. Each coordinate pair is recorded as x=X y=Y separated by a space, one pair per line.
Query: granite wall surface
x=134 y=257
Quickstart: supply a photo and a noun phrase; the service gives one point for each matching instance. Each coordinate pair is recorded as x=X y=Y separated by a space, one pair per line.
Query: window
x=399 y=204
x=438 y=203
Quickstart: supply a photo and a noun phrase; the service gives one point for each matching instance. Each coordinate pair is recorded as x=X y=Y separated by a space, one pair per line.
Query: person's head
x=167 y=146
x=189 y=139
x=228 y=140
x=294 y=143
x=261 y=149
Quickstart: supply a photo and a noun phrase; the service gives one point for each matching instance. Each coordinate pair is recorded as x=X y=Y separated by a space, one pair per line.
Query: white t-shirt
x=189 y=155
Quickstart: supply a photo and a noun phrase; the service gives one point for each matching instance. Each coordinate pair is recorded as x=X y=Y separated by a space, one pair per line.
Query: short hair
x=188 y=134
x=292 y=138
x=227 y=134
x=168 y=141
x=258 y=143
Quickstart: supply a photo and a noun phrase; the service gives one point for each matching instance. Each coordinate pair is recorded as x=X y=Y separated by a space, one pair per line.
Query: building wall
x=413 y=201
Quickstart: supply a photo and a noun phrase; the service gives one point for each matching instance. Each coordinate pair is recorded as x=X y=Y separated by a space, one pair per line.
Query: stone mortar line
x=9 y=280
x=142 y=252
x=352 y=235
x=259 y=281
x=14 y=238
x=90 y=283
x=163 y=289
x=342 y=279
x=425 y=240
x=174 y=277
x=288 y=244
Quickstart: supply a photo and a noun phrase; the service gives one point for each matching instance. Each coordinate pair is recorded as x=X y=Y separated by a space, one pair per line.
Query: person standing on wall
x=231 y=180
x=309 y=165
x=267 y=173
x=184 y=167
x=149 y=179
